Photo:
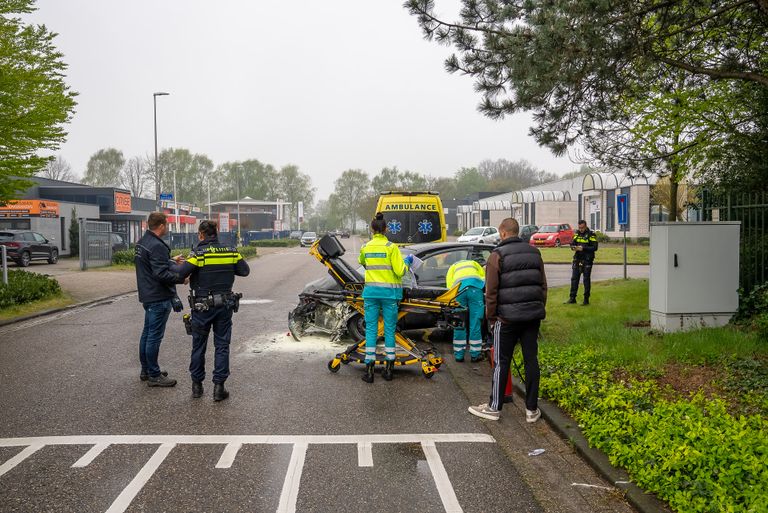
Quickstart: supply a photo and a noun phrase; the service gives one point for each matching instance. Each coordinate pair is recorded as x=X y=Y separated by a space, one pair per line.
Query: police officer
x=471 y=277
x=212 y=267
x=384 y=270
x=584 y=245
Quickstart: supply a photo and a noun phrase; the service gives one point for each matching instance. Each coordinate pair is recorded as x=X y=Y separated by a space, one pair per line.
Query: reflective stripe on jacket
x=212 y=267
x=587 y=240
x=466 y=272
x=384 y=268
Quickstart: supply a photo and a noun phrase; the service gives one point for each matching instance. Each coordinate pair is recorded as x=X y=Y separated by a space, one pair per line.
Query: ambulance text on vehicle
x=413 y=217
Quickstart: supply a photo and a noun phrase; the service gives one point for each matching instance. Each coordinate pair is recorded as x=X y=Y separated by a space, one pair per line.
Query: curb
x=52 y=311
x=569 y=429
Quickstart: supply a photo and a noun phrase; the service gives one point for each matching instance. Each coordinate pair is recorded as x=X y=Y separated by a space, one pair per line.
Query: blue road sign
x=166 y=197
x=622 y=208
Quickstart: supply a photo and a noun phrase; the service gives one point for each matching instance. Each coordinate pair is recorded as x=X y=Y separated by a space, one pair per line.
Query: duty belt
x=229 y=300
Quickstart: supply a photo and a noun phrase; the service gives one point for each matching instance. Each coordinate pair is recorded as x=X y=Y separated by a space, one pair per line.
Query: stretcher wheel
x=429 y=374
x=334 y=365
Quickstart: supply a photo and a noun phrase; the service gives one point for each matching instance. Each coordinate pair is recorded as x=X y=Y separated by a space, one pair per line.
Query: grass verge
x=42 y=305
x=607 y=253
x=683 y=413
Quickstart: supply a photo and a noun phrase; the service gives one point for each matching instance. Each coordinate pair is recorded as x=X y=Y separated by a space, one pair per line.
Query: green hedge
x=25 y=287
x=692 y=452
x=126 y=257
x=274 y=243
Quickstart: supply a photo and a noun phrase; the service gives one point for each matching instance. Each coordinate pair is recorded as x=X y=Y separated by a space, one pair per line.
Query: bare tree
x=135 y=176
x=58 y=169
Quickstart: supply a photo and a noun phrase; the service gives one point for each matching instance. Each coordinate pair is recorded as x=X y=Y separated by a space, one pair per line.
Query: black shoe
x=197 y=389
x=571 y=301
x=389 y=370
x=161 y=381
x=219 y=392
x=475 y=359
x=144 y=376
x=585 y=303
x=368 y=375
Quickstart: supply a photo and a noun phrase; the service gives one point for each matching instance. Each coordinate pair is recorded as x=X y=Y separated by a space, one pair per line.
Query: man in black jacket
x=515 y=304
x=212 y=268
x=156 y=281
x=584 y=245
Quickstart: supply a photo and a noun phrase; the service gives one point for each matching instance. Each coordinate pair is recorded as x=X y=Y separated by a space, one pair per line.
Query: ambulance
x=413 y=217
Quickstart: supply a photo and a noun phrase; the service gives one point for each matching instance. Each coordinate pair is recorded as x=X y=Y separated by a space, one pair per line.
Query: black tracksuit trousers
x=505 y=337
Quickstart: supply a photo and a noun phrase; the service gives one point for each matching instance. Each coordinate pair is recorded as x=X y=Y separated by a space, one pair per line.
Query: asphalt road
x=80 y=433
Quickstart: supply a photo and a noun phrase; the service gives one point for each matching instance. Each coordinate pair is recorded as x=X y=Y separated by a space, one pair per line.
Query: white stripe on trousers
x=497 y=368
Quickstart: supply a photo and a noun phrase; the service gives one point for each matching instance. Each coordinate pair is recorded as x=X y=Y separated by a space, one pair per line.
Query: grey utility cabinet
x=694 y=274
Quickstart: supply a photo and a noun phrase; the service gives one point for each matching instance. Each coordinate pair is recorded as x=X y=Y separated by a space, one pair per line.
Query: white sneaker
x=485 y=411
x=532 y=416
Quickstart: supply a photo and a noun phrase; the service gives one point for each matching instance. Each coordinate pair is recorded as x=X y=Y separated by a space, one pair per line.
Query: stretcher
x=442 y=305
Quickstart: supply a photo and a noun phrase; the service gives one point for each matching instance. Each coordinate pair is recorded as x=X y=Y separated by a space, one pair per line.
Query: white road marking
x=233 y=443
x=89 y=456
x=23 y=455
x=365 y=454
x=134 y=487
x=228 y=456
x=255 y=301
x=290 y=493
x=444 y=487
x=585 y=485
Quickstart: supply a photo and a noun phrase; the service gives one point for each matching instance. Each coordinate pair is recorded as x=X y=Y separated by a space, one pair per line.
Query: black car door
x=42 y=246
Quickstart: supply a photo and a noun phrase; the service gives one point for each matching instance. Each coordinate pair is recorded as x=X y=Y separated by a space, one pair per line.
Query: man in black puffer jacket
x=515 y=304
x=156 y=281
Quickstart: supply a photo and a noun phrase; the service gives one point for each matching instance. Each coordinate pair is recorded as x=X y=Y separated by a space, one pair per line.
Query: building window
x=610 y=211
x=626 y=190
x=533 y=213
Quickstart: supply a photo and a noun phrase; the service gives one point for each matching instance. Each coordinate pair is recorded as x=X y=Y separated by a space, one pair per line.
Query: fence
x=750 y=209
x=95 y=244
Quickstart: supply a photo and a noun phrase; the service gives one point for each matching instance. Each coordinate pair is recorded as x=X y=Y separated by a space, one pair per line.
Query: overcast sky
x=327 y=86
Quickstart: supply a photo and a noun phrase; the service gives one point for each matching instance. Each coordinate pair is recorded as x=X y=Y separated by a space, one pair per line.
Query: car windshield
x=475 y=231
x=548 y=229
x=6 y=236
x=309 y=234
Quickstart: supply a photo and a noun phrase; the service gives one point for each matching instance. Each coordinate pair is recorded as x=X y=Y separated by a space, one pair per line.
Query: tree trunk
x=673 y=187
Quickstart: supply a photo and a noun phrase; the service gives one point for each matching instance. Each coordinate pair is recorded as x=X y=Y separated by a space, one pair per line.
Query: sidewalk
x=560 y=479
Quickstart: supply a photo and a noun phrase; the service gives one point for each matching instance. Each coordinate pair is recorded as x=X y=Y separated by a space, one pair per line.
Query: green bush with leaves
x=274 y=243
x=26 y=287
x=601 y=237
x=125 y=257
x=691 y=452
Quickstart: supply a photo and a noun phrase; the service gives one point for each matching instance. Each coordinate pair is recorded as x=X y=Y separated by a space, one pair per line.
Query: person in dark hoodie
x=156 y=282
x=515 y=304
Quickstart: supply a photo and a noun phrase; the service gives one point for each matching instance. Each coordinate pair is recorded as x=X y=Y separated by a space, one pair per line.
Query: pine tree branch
x=715 y=73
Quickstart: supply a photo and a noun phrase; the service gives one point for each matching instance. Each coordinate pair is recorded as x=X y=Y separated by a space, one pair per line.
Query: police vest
x=215 y=271
x=464 y=270
x=589 y=241
x=383 y=262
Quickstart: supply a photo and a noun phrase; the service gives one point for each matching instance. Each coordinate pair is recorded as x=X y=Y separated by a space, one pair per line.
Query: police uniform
x=471 y=277
x=212 y=268
x=582 y=263
x=384 y=270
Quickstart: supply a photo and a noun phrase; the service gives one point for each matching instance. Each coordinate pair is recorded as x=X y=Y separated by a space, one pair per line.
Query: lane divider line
x=365 y=454
x=443 y=483
x=228 y=455
x=130 y=492
x=23 y=455
x=290 y=492
x=89 y=456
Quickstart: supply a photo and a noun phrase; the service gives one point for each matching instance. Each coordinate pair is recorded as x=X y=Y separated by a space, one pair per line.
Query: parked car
x=24 y=246
x=527 y=230
x=344 y=234
x=436 y=258
x=481 y=235
x=118 y=244
x=296 y=234
x=308 y=238
x=552 y=235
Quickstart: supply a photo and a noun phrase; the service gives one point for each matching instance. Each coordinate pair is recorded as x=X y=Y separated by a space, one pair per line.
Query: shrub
x=25 y=287
x=691 y=452
x=643 y=241
x=601 y=237
x=274 y=243
x=124 y=257
x=458 y=233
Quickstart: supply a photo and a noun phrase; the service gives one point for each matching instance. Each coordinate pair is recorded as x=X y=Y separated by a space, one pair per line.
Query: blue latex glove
x=408 y=260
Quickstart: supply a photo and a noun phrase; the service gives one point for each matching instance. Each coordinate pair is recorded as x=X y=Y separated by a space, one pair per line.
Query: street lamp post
x=157 y=171
x=239 y=169
x=209 y=196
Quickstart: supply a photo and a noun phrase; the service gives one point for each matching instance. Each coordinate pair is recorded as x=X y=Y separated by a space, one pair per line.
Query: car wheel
x=356 y=327
x=25 y=259
x=557 y=243
x=54 y=257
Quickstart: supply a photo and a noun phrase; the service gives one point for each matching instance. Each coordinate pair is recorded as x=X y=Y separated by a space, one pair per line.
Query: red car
x=552 y=235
